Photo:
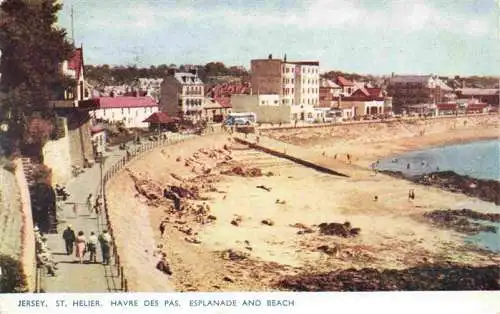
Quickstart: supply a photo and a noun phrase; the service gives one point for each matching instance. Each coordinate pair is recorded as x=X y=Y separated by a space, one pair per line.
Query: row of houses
x=279 y=91
x=414 y=92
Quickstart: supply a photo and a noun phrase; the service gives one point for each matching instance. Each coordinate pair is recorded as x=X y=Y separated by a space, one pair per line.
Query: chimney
x=270 y=56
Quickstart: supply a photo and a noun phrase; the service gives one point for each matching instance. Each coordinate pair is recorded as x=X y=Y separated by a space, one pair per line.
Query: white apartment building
x=307 y=90
x=182 y=95
x=131 y=111
x=297 y=84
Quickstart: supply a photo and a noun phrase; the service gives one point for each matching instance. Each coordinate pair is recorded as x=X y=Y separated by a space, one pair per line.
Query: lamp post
x=102 y=160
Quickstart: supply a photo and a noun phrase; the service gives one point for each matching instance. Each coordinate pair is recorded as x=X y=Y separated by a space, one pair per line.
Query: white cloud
x=408 y=16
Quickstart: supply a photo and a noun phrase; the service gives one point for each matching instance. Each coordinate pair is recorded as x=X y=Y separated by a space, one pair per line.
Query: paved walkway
x=71 y=275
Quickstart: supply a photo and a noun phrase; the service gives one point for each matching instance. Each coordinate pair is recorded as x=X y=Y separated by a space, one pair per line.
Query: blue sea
x=480 y=160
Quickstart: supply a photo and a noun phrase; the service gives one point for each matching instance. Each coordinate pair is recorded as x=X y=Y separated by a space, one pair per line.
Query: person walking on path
x=105 y=240
x=80 y=245
x=162 y=228
x=97 y=205
x=89 y=203
x=92 y=247
x=69 y=239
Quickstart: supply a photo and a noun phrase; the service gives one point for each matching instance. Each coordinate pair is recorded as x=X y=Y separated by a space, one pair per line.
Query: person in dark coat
x=106 y=242
x=69 y=239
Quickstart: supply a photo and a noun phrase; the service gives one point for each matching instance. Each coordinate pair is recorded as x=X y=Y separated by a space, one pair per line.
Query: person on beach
x=408 y=166
x=92 y=247
x=69 y=239
x=349 y=158
x=411 y=195
x=89 y=203
x=162 y=228
x=81 y=242
x=105 y=240
x=163 y=265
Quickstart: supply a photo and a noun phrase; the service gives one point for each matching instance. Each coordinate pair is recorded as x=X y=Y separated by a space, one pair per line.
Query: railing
x=110 y=173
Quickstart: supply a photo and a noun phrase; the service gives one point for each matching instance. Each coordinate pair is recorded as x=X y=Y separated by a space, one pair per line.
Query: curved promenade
x=75 y=277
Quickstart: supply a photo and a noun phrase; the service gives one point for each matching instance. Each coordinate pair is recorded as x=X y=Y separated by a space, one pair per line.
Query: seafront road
x=71 y=276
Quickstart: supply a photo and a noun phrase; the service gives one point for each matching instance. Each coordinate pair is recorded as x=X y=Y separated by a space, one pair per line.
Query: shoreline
x=446 y=143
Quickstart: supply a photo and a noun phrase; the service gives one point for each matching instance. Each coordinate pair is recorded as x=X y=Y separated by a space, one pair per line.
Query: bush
x=42 y=174
x=12 y=279
x=10 y=166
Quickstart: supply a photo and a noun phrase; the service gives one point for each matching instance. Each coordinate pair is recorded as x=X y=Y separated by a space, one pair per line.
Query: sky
x=445 y=37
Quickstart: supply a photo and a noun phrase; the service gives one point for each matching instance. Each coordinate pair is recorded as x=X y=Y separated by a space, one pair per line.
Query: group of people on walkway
x=81 y=245
x=44 y=257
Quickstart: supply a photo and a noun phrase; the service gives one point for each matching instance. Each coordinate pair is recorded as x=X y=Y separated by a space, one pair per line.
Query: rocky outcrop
x=426 y=277
x=486 y=190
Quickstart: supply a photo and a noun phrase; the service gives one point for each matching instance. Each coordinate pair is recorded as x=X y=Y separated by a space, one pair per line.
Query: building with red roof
x=218 y=98
x=129 y=110
x=74 y=69
x=161 y=121
x=348 y=87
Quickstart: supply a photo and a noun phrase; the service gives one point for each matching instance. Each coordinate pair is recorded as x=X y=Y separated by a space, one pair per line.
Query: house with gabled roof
x=182 y=94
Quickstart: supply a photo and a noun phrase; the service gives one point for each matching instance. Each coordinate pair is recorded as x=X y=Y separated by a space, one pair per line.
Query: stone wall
x=72 y=149
x=28 y=235
x=56 y=156
x=11 y=219
x=80 y=138
x=16 y=224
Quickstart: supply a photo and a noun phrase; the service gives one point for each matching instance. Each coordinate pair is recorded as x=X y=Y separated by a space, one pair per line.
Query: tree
x=32 y=51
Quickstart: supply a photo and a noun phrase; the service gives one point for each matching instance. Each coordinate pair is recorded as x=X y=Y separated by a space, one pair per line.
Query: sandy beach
x=219 y=254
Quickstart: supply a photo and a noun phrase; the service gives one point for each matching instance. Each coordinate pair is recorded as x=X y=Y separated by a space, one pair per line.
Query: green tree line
x=101 y=75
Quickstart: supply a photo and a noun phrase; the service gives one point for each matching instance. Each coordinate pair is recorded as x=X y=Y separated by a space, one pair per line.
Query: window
x=104 y=112
x=128 y=110
x=263 y=102
x=145 y=110
x=275 y=102
x=123 y=111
